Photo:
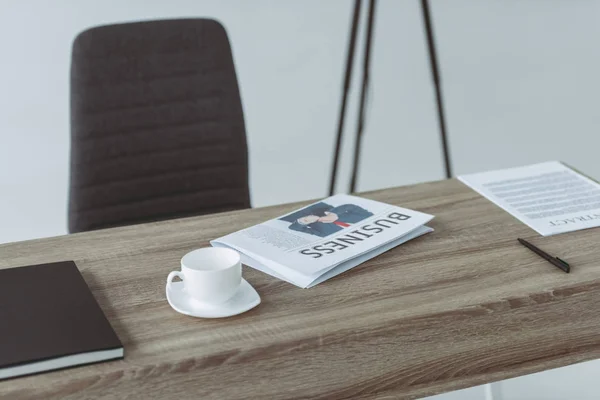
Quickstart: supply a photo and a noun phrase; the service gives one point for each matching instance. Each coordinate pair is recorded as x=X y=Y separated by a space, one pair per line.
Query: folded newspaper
x=310 y=245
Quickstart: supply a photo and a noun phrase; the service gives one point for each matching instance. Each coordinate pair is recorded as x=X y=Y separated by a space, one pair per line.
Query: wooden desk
x=459 y=307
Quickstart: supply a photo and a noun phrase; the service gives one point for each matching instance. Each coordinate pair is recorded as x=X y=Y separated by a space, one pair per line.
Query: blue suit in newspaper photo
x=322 y=219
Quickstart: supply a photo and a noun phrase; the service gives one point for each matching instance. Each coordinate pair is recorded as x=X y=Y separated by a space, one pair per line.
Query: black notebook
x=49 y=320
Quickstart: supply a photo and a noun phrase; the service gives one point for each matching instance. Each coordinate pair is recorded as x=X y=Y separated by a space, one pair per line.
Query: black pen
x=557 y=262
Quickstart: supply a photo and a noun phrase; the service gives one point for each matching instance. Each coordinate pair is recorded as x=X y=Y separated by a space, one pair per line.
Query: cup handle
x=172 y=275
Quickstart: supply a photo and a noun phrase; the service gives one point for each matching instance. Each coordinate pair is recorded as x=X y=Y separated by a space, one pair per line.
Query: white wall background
x=519 y=79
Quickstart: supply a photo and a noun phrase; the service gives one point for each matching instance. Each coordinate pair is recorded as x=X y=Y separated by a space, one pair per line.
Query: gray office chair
x=157 y=127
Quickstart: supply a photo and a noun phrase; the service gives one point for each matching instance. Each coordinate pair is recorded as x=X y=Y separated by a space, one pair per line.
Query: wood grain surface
x=462 y=306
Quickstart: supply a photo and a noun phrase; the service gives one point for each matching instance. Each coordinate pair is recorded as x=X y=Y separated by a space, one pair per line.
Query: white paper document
x=324 y=239
x=549 y=197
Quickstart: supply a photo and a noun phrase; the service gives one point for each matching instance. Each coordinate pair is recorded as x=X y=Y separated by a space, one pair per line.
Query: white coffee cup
x=210 y=275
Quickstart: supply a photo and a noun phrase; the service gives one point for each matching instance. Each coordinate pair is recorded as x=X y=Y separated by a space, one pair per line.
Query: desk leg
x=493 y=391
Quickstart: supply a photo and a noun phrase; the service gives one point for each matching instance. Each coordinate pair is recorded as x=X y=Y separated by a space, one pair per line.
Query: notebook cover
x=48 y=311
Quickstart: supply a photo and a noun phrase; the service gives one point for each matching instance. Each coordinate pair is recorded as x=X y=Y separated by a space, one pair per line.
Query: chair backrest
x=157 y=126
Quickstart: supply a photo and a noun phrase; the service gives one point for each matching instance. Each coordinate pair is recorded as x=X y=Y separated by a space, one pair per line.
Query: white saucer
x=245 y=299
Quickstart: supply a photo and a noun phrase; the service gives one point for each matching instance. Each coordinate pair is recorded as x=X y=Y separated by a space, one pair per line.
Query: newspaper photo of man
x=323 y=219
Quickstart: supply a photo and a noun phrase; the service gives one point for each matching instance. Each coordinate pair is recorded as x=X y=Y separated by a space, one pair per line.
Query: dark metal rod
x=345 y=90
x=438 y=86
x=363 y=94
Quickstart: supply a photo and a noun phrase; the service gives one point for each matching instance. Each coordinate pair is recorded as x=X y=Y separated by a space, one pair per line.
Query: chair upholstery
x=157 y=126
